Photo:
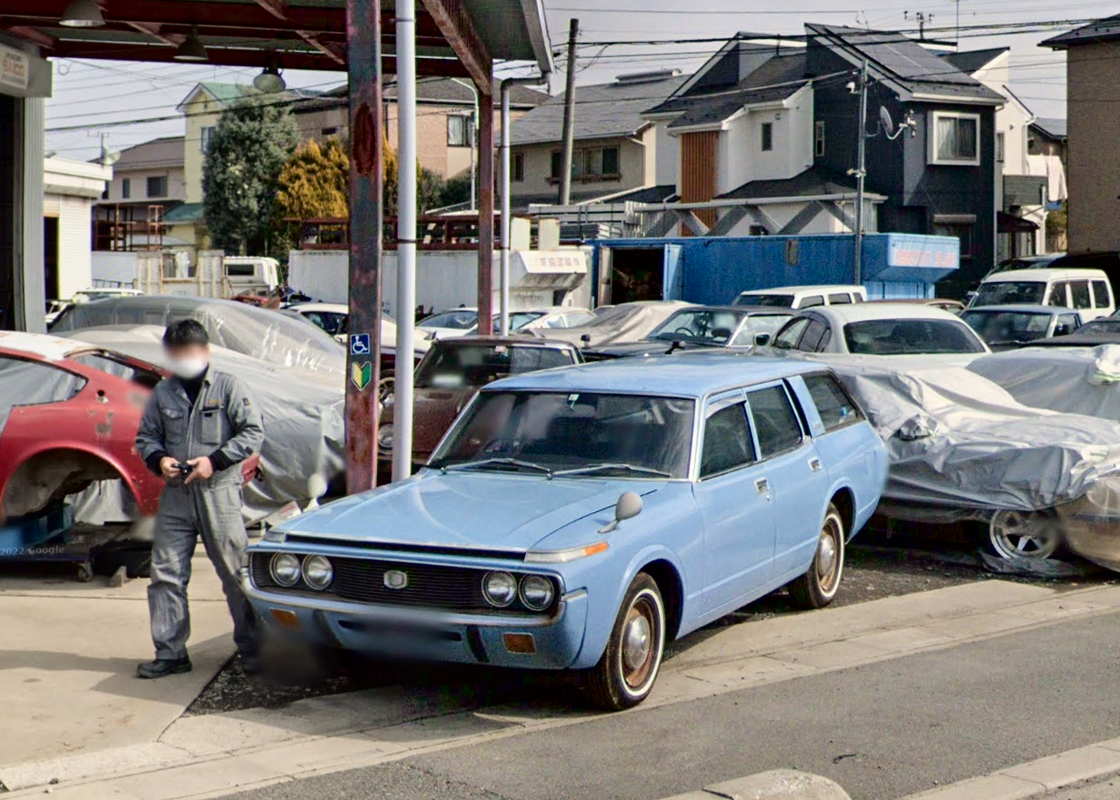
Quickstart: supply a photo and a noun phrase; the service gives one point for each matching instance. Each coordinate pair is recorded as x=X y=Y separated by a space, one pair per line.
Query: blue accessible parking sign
x=359 y=344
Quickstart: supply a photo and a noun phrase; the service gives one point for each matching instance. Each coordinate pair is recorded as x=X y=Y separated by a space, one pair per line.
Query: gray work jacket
x=224 y=418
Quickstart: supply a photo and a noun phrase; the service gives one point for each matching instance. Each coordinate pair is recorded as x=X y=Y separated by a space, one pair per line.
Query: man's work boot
x=162 y=667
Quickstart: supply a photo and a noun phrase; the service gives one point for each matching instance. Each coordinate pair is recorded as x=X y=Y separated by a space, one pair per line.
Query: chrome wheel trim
x=643 y=634
x=829 y=560
x=1031 y=535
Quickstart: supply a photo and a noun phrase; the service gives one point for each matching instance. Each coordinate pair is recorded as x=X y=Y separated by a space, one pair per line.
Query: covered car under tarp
x=278 y=338
x=1079 y=380
x=627 y=322
x=963 y=448
x=302 y=414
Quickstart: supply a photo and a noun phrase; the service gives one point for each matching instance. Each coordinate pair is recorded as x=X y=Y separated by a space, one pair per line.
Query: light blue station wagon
x=580 y=518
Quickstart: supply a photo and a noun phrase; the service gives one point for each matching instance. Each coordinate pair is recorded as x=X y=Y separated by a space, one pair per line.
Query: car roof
x=335 y=308
x=680 y=374
x=41 y=345
x=1024 y=308
x=745 y=310
x=823 y=288
x=1045 y=274
x=493 y=341
x=864 y=312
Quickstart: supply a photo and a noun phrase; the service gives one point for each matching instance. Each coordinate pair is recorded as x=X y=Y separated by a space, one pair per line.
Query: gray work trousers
x=185 y=514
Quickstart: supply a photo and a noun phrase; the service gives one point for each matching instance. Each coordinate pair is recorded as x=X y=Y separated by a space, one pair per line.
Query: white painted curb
x=777 y=784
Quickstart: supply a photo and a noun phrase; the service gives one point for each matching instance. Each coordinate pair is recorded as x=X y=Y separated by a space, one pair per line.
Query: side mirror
x=629 y=505
x=1062 y=330
x=761 y=339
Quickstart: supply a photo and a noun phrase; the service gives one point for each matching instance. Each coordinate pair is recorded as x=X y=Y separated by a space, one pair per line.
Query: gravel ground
x=874 y=570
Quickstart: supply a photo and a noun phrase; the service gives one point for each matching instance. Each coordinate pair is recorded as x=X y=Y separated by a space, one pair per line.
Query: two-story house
x=1093 y=160
x=617 y=152
x=148 y=183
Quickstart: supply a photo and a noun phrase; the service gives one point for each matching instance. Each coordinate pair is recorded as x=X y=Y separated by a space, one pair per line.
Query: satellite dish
x=885 y=121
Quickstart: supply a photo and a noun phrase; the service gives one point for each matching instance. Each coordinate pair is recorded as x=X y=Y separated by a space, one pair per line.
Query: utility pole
x=569 y=116
x=861 y=173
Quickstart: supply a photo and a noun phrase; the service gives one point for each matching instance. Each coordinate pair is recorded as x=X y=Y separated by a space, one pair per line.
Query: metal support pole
x=486 y=214
x=504 y=275
x=474 y=142
x=406 y=238
x=363 y=24
x=569 y=116
x=861 y=173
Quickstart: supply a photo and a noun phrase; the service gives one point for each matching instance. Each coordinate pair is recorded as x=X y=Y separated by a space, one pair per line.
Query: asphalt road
x=882 y=731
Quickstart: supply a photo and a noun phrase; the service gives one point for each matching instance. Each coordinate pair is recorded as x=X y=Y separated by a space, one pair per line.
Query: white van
x=1086 y=290
x=803 y=296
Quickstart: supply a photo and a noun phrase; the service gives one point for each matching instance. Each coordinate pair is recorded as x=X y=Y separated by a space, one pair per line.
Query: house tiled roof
x=1054 y=127
x=1103 y=30
x=903 y=62
x=776 y=79
x=815 y=180
x=438 y=91
x=227 y=94
x=166 y=152
x=603 y=111
x=971 y=61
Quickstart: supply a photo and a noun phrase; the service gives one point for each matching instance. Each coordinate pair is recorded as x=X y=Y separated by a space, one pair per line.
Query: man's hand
x=203 y=469
x=168 y=469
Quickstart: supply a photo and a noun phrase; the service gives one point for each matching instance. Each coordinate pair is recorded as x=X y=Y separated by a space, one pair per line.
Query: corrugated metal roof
x=602 y=111
x=905 y=61
x=185 y=212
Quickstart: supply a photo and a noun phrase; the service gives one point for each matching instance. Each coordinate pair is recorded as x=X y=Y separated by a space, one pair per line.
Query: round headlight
x=284 y=569
x=536 y=592
x=317 y=572
x=499 y=588
x=385 y=437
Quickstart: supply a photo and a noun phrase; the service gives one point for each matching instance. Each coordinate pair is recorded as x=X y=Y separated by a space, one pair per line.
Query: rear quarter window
x=1101 y=295
x=835 y=407
x=775 y=420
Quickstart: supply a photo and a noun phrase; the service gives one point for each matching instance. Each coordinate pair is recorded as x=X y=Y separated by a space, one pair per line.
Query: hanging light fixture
x=82 y=14
x=192 y=48
x=270 y=81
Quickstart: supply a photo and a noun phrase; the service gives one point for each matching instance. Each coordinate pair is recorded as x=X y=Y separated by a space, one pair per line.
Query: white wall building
x=69 y=189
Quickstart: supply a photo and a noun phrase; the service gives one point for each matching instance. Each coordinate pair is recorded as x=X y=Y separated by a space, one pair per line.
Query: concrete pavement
x=729 y=703
x=68 y=655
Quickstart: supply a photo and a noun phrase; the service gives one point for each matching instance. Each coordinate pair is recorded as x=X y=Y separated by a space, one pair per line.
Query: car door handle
x=762 y=486
x=815 y=464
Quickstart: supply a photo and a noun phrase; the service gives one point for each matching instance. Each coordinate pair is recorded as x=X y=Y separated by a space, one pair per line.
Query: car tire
x=385 y=386
x=818 y=587
x=628 y=668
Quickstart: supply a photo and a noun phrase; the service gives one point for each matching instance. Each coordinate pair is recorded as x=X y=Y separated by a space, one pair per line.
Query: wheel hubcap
x=1016 y=535
x=828 y=555
x=636 y=643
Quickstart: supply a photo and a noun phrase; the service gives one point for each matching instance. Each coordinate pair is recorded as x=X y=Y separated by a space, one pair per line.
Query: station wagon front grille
x=363 y=580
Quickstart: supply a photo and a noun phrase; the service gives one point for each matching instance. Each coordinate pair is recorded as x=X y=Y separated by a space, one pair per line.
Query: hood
x=465 y=509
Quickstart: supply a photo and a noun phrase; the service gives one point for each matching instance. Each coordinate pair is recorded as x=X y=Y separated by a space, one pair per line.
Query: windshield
x=460 y=366
x=892 y=337
x=699 y=326
x=1006 y=293
x=760 y=323
x=637 y=435
x=1008 y=326
x=462 y=319
x=778 y=300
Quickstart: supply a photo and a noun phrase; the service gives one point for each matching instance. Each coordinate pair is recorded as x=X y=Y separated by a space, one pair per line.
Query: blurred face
x=188 y=361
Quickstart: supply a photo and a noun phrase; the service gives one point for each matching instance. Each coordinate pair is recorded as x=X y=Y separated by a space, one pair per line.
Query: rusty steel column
x=485 y=211
x=363 y=33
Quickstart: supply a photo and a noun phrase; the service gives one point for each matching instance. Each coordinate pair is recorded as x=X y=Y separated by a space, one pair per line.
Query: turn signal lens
x=563 y=556
x=317 y=572
x=285 y=570
x=520 y=643
x=499 y=589
x=537 y=592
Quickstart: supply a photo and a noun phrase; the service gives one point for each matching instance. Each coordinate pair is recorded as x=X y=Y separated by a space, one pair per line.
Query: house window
x=818 y=138
x=126 y=188
x=157 y=186
x=592 y=164
x=206 y=135
x=517 y=167
x=959 y=226
x=767 y=136
x=955 y=139
x=459 y=130
x=328 y=131
x=1000 y=141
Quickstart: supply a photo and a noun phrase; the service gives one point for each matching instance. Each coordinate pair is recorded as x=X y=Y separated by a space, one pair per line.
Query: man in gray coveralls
x=198 y=426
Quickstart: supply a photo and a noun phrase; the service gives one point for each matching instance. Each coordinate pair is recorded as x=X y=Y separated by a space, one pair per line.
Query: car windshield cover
x=1008 y=326
x=699 y=326
x=632 y=436
x=462 y=366
x=1008 y=293
x=775 y=300
x=892 y=337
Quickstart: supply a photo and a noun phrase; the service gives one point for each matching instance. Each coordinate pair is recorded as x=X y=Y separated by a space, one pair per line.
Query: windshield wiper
x=502 y=462
x=612 y=467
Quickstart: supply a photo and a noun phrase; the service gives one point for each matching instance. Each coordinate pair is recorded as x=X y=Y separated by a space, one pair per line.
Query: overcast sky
x=93 y=94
